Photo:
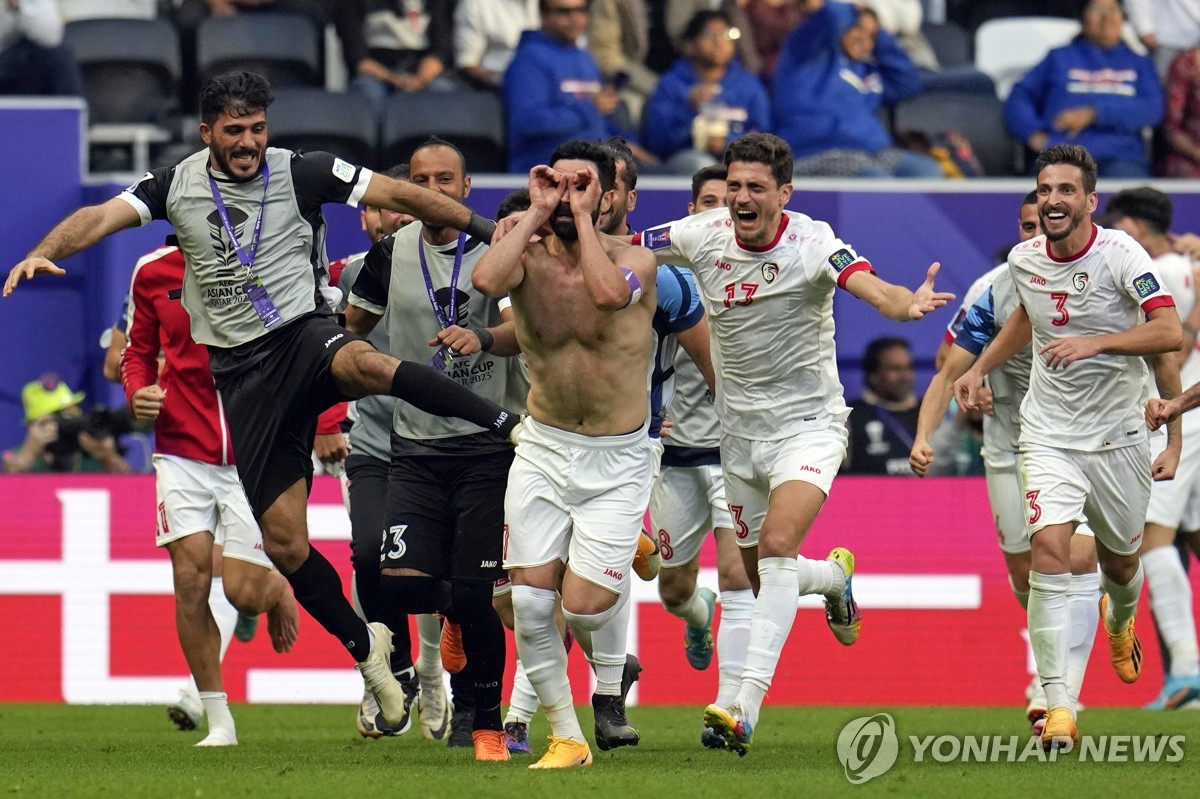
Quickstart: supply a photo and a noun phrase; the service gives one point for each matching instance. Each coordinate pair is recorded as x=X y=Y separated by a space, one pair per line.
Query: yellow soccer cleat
x=1060 y=731
x=1124 y=648
x=841 y=611
x=647 y=561
x=565 y=753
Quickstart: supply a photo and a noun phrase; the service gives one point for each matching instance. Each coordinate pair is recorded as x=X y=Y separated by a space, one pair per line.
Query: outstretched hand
x=925 y=299
x=31 y=266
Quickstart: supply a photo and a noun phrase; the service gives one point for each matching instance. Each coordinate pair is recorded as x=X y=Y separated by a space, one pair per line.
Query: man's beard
x=564 y=227
x=1076 y=221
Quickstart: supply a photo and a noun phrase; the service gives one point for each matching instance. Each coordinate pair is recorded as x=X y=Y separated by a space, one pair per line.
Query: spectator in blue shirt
x=705 y=100
x=1095 y=92
x=834 y=73
x=553 y=91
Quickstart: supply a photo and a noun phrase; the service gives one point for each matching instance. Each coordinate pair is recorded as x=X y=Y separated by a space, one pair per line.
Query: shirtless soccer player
x=584 y=462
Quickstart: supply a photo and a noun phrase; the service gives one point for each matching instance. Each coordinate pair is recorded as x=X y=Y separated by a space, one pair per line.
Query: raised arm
x=74 y=234
x=427 y=205
x=896 y=302
x=502 y=268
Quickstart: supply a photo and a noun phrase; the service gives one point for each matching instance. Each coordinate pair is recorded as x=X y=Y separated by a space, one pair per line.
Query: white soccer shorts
x=578 y=499
x=753 y=469
x=1110 y=489
x=195 y=497
x=685 y=503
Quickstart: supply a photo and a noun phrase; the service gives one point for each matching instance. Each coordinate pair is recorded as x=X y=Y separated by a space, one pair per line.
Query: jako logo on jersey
x=1079 y=280
x=841 y=259
x=657 y=239
x=1145 y=285
x=616 y=575
x=1037 y=281
x=487 y=564
x=807 y=468
x=335 y=338
x=770 y=271
x=724 y=265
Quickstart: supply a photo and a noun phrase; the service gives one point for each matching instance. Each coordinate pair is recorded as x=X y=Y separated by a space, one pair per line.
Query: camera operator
x=60 y=437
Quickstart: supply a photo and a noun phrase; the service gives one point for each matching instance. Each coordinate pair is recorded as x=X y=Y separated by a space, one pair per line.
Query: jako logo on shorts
x=867 y=747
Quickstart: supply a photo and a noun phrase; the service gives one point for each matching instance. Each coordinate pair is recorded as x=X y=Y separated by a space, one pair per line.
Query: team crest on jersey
x=1145 y=285
x=841 y=259
x=657 y=239
x=1079 y=280
x=770 y=271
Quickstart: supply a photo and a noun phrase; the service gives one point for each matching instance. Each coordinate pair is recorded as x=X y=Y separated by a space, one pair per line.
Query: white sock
x=225 y=614
x=1022 y=596
x=693 y=610
x=1083 y=608
x=523 y=702
x=1122 y=599
x=221 y=730
x=774 y=613
x=604 y=637
x=733 y=638
x=818 y=577
x=540 y=648
x=1171 y=601
x=429 y=650
x=1049 y=631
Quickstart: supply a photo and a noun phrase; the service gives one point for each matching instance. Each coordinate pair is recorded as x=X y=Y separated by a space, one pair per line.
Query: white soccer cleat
x=435 y=712
x=377 y=675
x=220 y=737
x=187 y=712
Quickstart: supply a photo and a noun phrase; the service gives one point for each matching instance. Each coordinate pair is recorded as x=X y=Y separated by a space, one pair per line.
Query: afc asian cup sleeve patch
x=1145 y=285
x=657 y=238
x=841 y=259
x=343 y=170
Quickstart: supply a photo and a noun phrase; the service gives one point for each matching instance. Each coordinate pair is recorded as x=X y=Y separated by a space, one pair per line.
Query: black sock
x=484 y=645
x=427 y=389
x=318 y=590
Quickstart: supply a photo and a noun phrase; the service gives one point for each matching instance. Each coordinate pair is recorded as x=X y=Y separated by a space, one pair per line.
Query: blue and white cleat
x=698 y=641
x=841 y=612
x=710 y=738
x=1176 y=692
x=731 y=725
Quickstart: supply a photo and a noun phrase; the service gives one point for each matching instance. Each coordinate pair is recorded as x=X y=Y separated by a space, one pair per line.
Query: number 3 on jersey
x=747 y=292
x=1060 y=303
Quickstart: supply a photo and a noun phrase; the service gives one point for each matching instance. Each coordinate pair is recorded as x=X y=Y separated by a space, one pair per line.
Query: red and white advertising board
x=86 y=611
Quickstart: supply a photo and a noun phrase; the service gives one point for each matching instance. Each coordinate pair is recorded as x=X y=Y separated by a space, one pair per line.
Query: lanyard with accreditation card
x=443 y=357
x=255 y=291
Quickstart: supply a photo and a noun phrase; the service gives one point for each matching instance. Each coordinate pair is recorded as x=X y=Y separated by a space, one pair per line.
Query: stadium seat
x=978 y=116
x=283 y=47
x=130 y=67
x=950 y=43
x=313 y=119
x=1006 y=49
x=472 y=120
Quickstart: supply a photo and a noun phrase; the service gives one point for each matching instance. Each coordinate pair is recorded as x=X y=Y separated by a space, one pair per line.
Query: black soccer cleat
x=612 y=728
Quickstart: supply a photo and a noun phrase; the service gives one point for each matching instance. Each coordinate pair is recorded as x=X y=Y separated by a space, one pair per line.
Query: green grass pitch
x=314 y=751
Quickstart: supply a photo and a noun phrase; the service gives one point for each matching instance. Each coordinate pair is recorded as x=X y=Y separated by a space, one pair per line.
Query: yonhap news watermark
x=869 y=746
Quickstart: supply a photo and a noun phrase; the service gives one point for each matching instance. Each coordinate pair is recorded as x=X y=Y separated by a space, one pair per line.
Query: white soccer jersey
x=770 y=310
x=1176 y=271
x=1096 y=403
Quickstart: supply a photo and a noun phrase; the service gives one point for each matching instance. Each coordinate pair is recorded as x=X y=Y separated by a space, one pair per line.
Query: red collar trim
x=1077 y=255
x=783 y=223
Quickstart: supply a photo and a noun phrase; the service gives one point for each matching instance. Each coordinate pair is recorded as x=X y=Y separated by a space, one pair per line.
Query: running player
x=768 y=277
x=1082 y=293
x=973 y=328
